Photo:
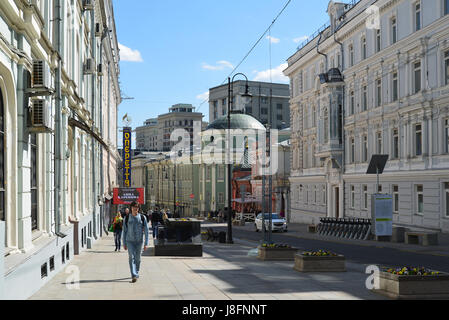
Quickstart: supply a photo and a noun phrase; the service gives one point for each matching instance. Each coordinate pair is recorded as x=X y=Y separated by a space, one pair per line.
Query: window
x=363 y=48
x=352 y=150
x=33 y=182
x=378 y=40
x=419 y=199
x=446 y=67
x=365 y=149
x=264 y=100
x=446 y=196
x=279 y=117
x=323 y=194
x=394 y=31
x=220 y=173
x=364 y=98
x=326 y=126
x=379 y=92
x=379 y=188
x=351 y=103
x=315 y=192
x=446 y=136
x=215 y=103
x=417 y=16
x=417 y=76
x=395 y=91
x=221 y=197
x=2 y=161
x=395 y=150
x=338 y=61
x=418 y=140
x=365 y=197
x=264 y=111
x=351 y=55
x=446 y=7
x=379 y=143
x=279 y=106
x=223 y=102
x=395 y=198
x=352 y=196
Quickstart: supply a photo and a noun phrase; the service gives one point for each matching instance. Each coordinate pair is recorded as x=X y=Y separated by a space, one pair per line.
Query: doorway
x=337 y=202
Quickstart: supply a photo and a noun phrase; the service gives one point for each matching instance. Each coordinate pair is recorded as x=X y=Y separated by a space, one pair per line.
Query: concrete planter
x=319 y=263
x=413 y=287
x=284 y=254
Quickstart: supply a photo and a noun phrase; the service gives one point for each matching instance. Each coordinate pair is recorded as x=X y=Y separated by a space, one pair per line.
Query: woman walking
x=118 y=227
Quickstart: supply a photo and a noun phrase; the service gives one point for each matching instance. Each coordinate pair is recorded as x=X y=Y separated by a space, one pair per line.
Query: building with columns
x=59 y=93
x=373 y=86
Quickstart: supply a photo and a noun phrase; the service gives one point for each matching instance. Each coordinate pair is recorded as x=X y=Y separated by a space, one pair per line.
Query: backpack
x=141 y=218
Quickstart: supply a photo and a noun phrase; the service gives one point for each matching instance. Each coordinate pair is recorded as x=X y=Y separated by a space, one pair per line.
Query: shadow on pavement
x=96 y=281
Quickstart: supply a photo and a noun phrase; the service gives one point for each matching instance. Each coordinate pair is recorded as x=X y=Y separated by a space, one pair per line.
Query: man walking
x=134 y=228
x=155 y=218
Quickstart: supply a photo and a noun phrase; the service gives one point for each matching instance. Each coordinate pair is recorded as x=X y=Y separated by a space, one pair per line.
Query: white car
x=277 y=223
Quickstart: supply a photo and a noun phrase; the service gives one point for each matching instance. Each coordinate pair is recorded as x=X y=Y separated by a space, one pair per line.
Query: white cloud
x=128 y=54
x=300 y=39
x=222 y=64
x=276 y=74
x=203 y=96
x=273 y=39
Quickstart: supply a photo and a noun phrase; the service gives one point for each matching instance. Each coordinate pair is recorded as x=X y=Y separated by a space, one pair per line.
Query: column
x=425 y=135
x=2 y=260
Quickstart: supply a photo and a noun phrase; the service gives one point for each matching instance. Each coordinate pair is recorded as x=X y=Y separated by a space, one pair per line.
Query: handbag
x=111 y=228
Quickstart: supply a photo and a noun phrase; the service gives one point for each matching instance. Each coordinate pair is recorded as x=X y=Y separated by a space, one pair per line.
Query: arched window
x=2 y=160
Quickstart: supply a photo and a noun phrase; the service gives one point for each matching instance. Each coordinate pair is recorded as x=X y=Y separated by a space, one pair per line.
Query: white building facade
x=382 y=91
x=59 y=69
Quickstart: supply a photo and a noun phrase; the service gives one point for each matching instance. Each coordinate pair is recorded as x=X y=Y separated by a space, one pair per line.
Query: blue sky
x=173 y=51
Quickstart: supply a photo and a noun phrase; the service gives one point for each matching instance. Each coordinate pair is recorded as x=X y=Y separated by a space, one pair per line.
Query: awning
x=82 y=126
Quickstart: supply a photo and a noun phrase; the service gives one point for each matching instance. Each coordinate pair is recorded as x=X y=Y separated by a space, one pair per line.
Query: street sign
x=382 y=214
x=127 y=195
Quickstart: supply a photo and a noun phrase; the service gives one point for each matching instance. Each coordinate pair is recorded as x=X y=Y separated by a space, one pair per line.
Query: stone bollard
x=2 y=260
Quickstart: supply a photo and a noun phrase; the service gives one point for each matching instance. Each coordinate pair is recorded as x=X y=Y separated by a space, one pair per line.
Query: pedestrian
x=135 y=227
x=155 y=218
x=118 y=227
x=125 y=213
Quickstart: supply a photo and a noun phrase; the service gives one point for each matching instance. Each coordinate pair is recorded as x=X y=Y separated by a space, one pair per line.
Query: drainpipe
x=94 y=193
x=343 y=141
x=318 y=50
x=58 y=126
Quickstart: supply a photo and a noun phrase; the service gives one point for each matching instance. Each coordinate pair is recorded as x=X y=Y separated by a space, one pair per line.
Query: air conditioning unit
x=41 y=77
x=89 y=66
x=97 y=30
x=100 y=69
x=40 y=116
x=88 y=4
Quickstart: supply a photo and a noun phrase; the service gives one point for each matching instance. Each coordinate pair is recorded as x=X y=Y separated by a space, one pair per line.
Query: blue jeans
x=118 y=239
x=134 y=253
x=155 y=228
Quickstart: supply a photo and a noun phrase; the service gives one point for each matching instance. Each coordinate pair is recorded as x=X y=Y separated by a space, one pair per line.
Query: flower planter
x=204 y=236
x=319 y=263
x=413 y=287
x=276 y=253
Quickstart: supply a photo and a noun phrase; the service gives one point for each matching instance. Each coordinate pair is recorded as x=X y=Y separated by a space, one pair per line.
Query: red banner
x=128 y=195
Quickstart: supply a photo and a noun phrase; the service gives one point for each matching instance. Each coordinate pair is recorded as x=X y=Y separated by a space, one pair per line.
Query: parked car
x=277 y=222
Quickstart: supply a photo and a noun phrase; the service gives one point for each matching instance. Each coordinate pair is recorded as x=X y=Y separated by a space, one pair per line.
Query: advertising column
x=126 y=157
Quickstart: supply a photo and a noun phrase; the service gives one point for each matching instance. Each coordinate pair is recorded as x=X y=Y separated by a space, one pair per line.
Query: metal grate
x=38 y=73
x=38 y=112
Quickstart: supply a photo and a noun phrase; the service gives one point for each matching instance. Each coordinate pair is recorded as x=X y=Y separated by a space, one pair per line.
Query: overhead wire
x=252 y=48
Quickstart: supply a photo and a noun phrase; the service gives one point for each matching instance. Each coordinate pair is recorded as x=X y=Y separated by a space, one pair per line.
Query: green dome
x=238 y=121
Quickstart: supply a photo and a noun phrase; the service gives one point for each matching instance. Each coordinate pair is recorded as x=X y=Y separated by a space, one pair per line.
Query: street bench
x=421 y=238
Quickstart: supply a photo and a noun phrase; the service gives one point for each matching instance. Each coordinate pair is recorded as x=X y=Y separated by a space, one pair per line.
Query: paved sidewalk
x=301 y=231
x=225 y=272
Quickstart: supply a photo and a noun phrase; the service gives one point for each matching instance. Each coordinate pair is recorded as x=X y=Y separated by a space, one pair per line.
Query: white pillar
x=2 y=260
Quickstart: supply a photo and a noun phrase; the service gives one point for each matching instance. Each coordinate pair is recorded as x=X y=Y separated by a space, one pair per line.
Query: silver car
x=277 y=223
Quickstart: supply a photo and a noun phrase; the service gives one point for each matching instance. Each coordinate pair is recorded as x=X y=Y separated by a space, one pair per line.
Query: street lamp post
x=230 y=94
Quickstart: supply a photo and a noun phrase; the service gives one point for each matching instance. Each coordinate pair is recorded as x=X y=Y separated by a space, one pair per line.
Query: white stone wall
x=427 y=107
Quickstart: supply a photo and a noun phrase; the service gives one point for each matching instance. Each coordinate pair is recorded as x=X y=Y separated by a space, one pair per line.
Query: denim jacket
x=135 y=231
